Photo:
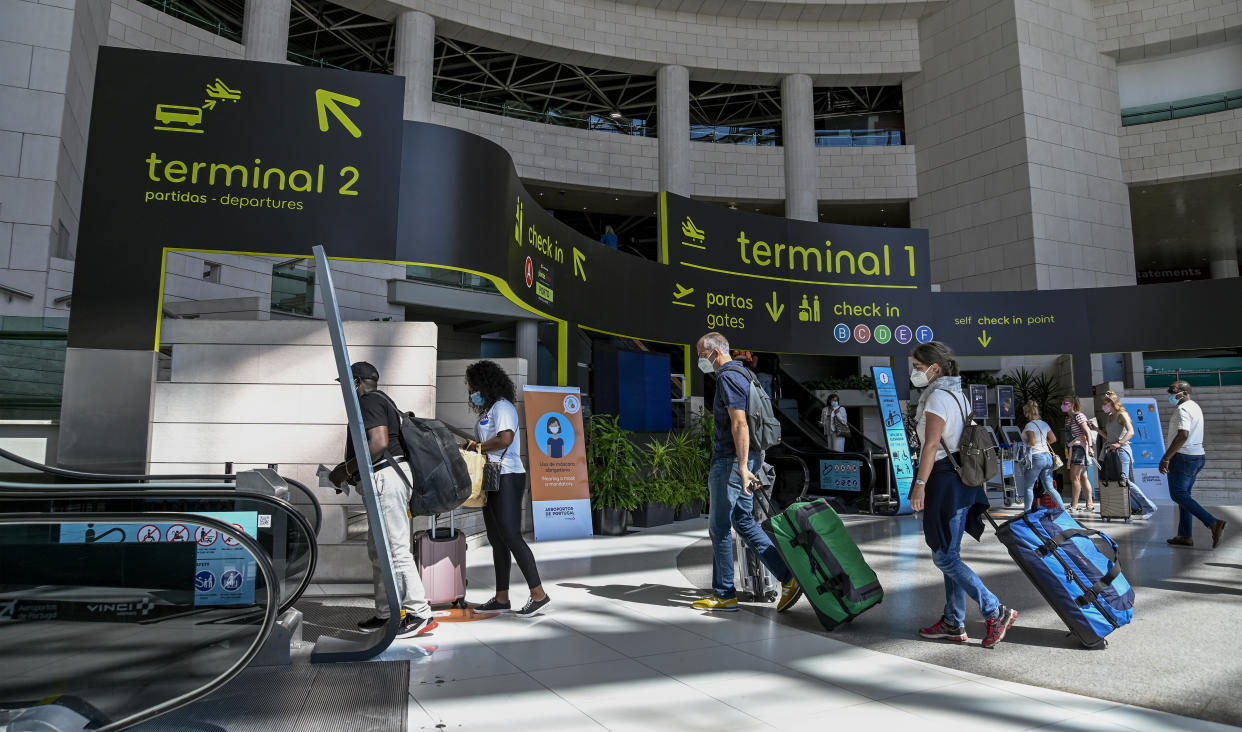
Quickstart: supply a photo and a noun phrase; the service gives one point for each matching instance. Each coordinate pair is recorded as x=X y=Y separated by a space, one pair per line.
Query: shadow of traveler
x=491 y=396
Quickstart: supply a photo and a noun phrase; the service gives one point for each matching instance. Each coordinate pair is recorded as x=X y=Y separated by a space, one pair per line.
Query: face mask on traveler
x=1108 y=409
x=477 y=399
x=1173 y=399
x=834 y=403
x=705 y=365
x=1065 y=407
x=919 y=378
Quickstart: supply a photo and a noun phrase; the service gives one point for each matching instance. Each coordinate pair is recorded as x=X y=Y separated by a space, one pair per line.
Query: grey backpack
x=978 y=451
x=765 y=430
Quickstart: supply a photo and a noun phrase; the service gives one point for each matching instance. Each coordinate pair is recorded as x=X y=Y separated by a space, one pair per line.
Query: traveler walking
x=382 y=423
x=1182 y=461
x=952 y=507
x=730 y=480
x=835 y=422
x=491 y=396
x=1120 y=431
x=1038 y=438
x=609 y=237
x=1081 y=452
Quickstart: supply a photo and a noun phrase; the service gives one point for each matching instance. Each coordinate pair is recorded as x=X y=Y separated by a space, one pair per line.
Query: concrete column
x=798 y=136
x=673 y=112
x=1224 y=244
x=415 y=58
x=265 y=30
x=527 y=347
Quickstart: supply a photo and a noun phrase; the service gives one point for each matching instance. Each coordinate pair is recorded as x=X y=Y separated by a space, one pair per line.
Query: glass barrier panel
x=115 y=617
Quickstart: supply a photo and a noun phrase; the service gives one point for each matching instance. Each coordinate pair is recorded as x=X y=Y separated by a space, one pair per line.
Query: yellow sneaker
x=717 y=604
x=790 y=592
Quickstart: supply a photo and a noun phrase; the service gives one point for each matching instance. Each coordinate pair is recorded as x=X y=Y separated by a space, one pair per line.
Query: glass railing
x=764 y=136
x=102 y=634
x=595 y=122
x=449 y=278
x=1182 y=108
x=293 y=289
x=858 y=138
x=177 y=10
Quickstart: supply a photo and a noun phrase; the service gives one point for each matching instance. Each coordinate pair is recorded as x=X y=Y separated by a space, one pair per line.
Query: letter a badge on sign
x=530 y=272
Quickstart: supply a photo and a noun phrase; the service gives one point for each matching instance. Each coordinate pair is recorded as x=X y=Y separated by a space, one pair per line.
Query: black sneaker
x=374 y=622
x=412 y=625
x=493 y=606
x=532 y=607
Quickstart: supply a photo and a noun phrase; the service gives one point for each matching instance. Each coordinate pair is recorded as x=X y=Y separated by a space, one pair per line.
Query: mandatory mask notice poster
x=1148 y=447
x=559 y=490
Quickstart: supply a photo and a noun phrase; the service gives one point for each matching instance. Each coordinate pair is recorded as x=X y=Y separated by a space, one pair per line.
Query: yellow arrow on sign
x=579 y=258
x=984 y=339
x=774 y=309
x=329 y=101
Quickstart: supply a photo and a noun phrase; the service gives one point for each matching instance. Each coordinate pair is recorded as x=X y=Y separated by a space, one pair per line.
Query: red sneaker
x=998 y=626
x=943 y=631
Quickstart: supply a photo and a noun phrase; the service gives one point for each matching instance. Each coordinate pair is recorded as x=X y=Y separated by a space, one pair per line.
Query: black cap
x=364 y=371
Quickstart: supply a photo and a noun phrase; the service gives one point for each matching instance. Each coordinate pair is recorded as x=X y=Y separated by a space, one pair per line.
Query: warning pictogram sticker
x=148 y=534
x=177 y=532
x=230 y=540
x=206 y=536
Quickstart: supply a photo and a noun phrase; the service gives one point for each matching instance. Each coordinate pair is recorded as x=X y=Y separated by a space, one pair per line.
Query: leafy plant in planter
x=612 y=465
x=841 y=383
x=1044 y=390
x=693 y=454
x=659 y=492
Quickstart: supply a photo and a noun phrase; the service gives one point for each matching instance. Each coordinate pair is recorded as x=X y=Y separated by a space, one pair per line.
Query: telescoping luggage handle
x=431 y=527
x=1049 y=546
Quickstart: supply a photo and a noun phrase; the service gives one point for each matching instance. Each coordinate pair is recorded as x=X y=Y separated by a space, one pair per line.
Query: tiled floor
x=620 y=648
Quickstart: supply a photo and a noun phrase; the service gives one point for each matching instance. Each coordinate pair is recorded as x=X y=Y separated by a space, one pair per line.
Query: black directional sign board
x=191 y=152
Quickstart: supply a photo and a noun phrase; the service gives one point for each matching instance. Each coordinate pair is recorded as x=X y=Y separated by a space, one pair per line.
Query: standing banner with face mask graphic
x=894 y=434
x=1147 y=445
x=559 y=489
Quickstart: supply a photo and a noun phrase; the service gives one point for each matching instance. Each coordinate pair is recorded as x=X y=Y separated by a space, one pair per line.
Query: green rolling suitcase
x=828 y=564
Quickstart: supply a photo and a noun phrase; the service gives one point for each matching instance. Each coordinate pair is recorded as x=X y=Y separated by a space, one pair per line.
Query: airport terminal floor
x=621 y=648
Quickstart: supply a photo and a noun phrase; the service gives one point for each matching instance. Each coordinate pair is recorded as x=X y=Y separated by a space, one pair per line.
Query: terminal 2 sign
x=235 y=156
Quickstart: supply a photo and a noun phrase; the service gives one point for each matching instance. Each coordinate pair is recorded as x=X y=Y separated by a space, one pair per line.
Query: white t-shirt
x=1188 y=416
x=503 y=416
x=1041 y=429
x=948 y=407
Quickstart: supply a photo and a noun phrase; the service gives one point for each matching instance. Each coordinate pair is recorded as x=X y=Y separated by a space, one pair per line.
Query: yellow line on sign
x=684 y=304
x=800 y=282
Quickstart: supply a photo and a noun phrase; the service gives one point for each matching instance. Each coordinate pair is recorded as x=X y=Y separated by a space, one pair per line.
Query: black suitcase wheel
x=770 y=596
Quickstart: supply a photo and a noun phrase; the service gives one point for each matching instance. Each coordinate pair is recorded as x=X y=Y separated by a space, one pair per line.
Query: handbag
x=1057 y=462
x=476 y=463
x=491 y=472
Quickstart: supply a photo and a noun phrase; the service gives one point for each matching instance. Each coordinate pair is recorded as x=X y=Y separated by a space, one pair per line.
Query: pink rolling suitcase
x=441 y=558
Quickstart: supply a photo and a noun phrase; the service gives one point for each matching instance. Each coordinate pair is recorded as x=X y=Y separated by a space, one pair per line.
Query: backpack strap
x=750 y=375
x=965 y=424
x=388 y=456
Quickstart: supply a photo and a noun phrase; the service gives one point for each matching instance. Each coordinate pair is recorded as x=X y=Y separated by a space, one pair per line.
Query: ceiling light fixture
x=615 y=115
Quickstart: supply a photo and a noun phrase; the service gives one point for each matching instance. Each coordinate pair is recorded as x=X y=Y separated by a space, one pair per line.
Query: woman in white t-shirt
x=491 y=396
x=952 y=508
x=1039 y=436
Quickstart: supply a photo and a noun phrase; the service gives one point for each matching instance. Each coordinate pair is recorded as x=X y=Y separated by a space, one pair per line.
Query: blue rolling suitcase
x=1075 y=569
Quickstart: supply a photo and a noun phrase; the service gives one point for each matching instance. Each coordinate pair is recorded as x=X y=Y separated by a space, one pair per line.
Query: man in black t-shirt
x=382 y=422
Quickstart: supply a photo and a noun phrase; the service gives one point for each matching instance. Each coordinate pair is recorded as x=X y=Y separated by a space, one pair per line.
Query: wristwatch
x=919 y=482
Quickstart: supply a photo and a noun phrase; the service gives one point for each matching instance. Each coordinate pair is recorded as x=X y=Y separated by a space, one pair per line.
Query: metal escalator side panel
x=298 y=572
x=136 y=643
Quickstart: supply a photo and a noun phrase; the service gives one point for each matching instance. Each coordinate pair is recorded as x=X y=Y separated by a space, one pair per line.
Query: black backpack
x=441 y=479
x=1110 y=467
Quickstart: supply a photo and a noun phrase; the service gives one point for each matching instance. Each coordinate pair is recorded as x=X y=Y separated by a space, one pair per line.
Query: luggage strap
x=1108 y=547
x=1090 y=595
x=837 y=580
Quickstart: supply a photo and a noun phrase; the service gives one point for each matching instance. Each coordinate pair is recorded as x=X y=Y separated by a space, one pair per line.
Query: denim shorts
x=1078 y=455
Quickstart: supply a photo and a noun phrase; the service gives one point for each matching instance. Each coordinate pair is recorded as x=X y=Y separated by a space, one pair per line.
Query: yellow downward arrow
x=984 y=339
x=329 y=101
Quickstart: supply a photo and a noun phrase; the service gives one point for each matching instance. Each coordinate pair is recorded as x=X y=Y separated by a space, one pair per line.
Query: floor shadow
x=647 y=594
x=1195 y=587
x=1223 y=565
x=1042 y=638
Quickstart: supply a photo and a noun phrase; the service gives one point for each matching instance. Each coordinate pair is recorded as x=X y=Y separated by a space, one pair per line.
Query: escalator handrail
x=79 y=475
x=66 y=494
x=103 y=477
x=252 y=546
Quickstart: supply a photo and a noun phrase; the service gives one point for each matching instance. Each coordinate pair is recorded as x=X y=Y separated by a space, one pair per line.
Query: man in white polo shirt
x=1183 y=461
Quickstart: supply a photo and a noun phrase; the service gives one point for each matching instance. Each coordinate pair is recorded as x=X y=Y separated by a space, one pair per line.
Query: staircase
x=1220 y=482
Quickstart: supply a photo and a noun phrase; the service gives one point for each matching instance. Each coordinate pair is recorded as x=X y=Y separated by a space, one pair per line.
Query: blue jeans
x=1135 y=492
x=1182 y=472
x=960 y=580
x=1041 y=472
x=731 y=507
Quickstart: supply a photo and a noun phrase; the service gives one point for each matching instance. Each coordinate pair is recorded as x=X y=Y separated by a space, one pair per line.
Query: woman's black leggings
x=502 y=515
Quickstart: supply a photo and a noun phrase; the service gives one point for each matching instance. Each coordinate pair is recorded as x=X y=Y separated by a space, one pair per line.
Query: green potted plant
x=659 y=493
x=612 y=464
x=693 y=451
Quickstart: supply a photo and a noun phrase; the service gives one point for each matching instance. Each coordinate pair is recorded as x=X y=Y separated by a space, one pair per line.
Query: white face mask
x=834 y=403
x=705 y=365
x=919 y=378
